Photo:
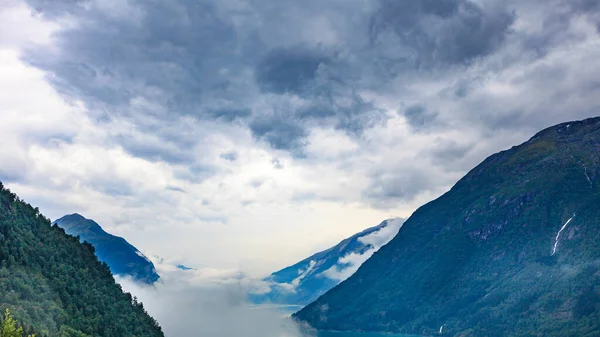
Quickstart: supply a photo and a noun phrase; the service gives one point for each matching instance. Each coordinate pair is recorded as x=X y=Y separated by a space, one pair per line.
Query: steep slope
x=511 y=249
x=122 y=258
x=308 y=279
x=55 y=286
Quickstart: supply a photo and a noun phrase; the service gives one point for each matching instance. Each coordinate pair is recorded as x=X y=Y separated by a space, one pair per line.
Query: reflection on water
x=286 y=310
x=283 y=308
x=358 y=334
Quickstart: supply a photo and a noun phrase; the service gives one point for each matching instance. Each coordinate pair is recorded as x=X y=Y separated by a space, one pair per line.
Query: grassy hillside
x=55 y=286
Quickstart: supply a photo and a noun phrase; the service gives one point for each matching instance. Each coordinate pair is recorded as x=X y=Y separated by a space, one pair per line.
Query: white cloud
x=302 y=273
x=20 y=29
x=347 y=265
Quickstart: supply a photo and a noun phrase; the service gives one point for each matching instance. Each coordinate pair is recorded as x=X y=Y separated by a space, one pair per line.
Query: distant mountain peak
x=308 y=279
x=122 y=258
x=569 y=131
x=76 y=219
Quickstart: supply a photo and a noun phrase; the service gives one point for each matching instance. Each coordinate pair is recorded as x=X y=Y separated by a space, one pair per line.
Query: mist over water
x=183 y=309
x=221 y=311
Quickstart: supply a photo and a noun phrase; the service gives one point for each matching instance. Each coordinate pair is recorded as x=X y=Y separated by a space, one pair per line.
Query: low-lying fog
x=185 y=308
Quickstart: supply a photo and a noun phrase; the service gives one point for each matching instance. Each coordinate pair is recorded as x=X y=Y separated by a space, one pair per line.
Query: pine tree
x=9 y=327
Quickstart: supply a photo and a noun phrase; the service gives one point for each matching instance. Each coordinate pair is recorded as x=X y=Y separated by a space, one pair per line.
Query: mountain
x=122 y=258
x=182 y=267
x=55 y=286
x=511 y=249
x=308 y=279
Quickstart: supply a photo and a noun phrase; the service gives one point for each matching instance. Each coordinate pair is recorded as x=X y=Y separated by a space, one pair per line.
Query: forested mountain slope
x=55 y=286
x=512 y=249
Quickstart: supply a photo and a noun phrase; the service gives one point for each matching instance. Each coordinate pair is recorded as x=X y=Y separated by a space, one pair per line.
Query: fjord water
x=287 y=310
x=358 y=334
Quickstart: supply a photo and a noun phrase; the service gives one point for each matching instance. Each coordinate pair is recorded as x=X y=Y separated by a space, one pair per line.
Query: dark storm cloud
x=211 y=60
x=280 y=69
x=174 y=54
x=285 y=70
x=155 y=152
x=590 y=7
x=442 y=31
x=288 y=128
x=418 y=116
x=317 y=111
x=230 y=114
x=280 y=132
x=352 y=114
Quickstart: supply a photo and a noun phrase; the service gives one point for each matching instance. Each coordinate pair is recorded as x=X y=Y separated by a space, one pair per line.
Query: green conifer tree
x=9 y=327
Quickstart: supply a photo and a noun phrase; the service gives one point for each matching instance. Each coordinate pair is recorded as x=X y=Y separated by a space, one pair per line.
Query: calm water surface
x=287 y=310
x=358 y=334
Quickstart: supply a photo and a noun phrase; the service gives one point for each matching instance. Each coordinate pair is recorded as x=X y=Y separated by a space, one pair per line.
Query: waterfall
x=558 y=234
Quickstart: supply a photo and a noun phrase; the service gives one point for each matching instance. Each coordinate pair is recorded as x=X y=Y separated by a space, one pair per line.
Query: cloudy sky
x=251 y=133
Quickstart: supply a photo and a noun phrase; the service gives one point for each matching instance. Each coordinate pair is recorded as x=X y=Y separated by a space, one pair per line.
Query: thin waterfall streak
x=584 y=171
x=587 y=176
x=558 y=234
